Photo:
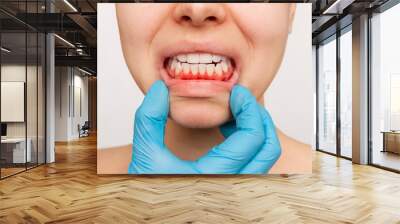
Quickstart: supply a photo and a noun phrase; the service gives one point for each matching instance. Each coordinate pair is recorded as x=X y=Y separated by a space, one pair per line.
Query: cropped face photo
x=220 y=44
x=200 y=73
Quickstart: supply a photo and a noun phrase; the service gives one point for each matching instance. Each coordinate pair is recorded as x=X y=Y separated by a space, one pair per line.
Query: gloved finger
x=150 y=155
x=228 y=128
x=151 y=116
x=242 y=145
x=163 y=161
x=270 y=151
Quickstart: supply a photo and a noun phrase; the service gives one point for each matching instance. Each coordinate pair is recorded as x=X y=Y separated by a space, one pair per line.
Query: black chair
x=84 y=130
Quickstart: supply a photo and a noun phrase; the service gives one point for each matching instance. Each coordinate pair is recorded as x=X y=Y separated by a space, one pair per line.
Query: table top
x=13 y=140
x=391 y=132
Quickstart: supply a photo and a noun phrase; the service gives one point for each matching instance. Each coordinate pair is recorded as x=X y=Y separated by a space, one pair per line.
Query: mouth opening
x=199 y=66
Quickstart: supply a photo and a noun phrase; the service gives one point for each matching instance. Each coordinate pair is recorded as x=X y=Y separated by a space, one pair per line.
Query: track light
x=5 y=50
x=337 y=7
x=70 y=5
x=64 y=40
x=84 y=71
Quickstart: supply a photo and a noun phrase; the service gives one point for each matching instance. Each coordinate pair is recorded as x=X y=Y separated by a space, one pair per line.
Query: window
x=385 y=89
x=395 y=102
x=327 y=96
x=346 y=93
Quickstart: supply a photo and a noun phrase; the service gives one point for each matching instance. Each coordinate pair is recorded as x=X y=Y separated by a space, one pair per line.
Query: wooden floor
x=387 y=159
x=70 y=191
x=5 y=172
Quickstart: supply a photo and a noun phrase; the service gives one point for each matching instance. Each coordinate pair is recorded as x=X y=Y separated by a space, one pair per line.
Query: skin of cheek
x=264 y=50
x=267 y=40
x=135 y=36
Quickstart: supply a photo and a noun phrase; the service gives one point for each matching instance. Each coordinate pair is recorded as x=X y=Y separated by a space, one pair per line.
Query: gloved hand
x=251 y=145
x=270 y=151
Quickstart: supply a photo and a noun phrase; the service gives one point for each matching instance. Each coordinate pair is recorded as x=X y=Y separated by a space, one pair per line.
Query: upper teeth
x=194 y=58
x=199 y=66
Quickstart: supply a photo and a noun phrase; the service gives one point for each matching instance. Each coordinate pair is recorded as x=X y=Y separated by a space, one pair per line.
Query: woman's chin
x=199 y=113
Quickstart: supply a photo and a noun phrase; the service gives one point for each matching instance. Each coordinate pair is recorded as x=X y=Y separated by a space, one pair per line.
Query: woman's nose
x=199 y=14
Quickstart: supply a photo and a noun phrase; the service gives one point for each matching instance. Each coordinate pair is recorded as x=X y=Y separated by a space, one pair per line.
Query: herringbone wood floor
x=70 y=191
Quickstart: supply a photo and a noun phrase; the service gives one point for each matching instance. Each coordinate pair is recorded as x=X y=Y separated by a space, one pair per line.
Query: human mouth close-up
x=199 y=74
x=199 y=66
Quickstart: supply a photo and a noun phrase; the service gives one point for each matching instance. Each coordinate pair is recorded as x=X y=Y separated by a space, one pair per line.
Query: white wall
x=62 y=82
x=16 y=72
x=80 y=82
x=293 y=84
x=314 y=72
x=33 y=127
x=68 y=81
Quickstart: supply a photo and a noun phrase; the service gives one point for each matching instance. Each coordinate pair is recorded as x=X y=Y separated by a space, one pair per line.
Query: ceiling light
x=84 y=71
x=5 y=50
x=70 y=5
x=338 y=6
x=64 y=40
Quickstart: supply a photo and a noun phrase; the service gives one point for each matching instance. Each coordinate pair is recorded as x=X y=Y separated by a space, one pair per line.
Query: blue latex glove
x=270 y=151
x=249 y=147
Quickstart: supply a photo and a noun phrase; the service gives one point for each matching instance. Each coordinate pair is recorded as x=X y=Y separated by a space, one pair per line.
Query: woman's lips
x=199 y=74
x=199 y=88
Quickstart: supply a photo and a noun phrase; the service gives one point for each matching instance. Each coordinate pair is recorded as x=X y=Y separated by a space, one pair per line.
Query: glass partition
x=13 y=110
x=22 y=101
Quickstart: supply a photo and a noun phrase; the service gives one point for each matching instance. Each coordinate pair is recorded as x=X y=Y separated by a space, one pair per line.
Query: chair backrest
x=86 y=124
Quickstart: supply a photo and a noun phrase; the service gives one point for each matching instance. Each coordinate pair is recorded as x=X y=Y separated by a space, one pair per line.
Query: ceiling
x=76 y=22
